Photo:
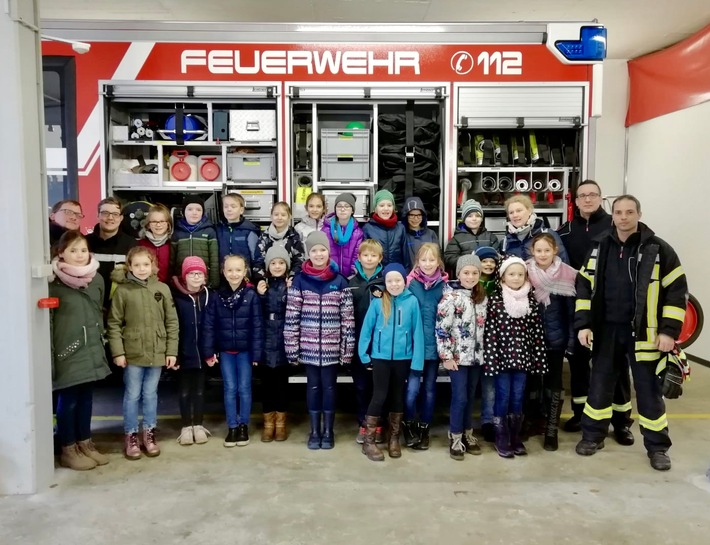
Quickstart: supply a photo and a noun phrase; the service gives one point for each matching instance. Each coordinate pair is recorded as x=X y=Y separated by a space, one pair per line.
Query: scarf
x=361 y=271
x=231 y=298
x=130 y=276
x=326 y=274
x=385 y=223
x=275 y=235
x=516 y=302
x=428 y=281
x=316 y=224
x=74 y=276
x=559 y=279
x=157 y=241
x=523 y=231
x=341 y=235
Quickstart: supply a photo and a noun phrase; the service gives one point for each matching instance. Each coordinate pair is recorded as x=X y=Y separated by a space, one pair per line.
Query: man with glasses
x=578 y=236
x=66 y=216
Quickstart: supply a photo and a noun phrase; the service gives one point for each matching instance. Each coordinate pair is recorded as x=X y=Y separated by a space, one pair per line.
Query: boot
x=456 y=446
x=314 y=436
x=269 y=425
x=73 y=458
x=409 y=431
x=281 y=434
x=574 y=424
x=150 y=444
x=500 y=423
x=369 y=448
x=132 y=448
x=423 y=443
x=379 y=435
x=554 y=409
x=516 y=441
x=88 y=448
x=395 y=451
x=489 y=432
x=328 y=439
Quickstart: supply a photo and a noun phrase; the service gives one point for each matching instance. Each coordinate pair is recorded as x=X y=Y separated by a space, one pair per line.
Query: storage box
x=345 y=142
x=128 y=179
x=251 y=166
x=343 y=167
x=252 y=125
x=257 y=202
x=362 y=200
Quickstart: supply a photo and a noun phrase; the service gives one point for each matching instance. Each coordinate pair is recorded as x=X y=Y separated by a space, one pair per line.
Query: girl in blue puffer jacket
x=392 y=341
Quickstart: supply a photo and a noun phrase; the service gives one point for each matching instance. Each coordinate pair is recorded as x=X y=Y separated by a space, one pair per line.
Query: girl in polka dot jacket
x=514 y=345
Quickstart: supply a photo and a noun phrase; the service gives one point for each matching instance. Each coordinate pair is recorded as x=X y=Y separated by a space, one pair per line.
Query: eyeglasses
x=195 y=273
x=71 y=214
x=588 y=196
x=106 y=214
x=414 y=215
x=343 y=207
x=161 y=222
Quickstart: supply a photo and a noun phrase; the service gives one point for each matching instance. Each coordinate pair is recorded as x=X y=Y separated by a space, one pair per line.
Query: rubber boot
x=327 y=440
x=269 y=427
x=280 y=427
x=554 y=409
x=423 y=443
x=500 y=424
x=395 y=451
x=516 y=441
x=314 y=436
x=369 y=448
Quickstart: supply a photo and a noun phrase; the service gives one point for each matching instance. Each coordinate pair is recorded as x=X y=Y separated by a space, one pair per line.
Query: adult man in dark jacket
x=66 y=216
x=577 y=236
x=631 y=299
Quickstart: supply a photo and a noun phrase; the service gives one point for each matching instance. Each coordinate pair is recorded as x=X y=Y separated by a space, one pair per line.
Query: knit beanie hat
x=467 y=260
x=508 y=261
x=395 y=267
x=470 y=206
x=383 y=195
x=277 y=252
x=487 y=252
x=317 y=238
x=348 y=198
x=191 y=264
x=193 y=199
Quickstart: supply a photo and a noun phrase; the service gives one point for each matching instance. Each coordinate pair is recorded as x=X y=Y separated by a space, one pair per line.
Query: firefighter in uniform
x=631 y=299
x=577 y=235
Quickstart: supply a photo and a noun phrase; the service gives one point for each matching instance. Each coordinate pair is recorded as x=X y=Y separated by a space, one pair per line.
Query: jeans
x=141 y=383
x=488 y=393
x=428 y=397
x=236 y=374
x=388 y=380
x=274 y=388
x=320 y=387
x=192 y=396
x=510 y=392
x=463 y=391
x=362 y=381
x=74 y=405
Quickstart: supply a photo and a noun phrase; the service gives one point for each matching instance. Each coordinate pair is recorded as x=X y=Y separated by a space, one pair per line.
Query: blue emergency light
x=591 y=45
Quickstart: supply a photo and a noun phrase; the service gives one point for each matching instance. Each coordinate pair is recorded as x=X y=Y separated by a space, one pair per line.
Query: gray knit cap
x=470 y=206
x=466 y=260
x=347 y=198
x=316 y=238
x=277 y=252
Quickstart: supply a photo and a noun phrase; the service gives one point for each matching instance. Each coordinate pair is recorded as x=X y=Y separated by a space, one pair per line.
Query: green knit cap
x=383 y=195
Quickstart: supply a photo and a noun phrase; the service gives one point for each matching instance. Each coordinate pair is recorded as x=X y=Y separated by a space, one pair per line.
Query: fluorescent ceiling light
x=371 y=28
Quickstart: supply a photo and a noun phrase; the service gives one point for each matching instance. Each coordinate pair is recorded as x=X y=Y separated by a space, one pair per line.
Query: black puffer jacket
x=558 y=322
x=393 y=240
x=190 y=310
x=273 y=306
x=465 y=242
x=578 y=235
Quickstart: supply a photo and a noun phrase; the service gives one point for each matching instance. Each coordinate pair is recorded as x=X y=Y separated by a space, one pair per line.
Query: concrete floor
x=285 y=494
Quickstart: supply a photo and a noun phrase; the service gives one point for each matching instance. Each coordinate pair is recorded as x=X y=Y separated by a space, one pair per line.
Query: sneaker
x=231 y=439
x=186 y=437
x=456 y=446
x=361 y=434
x=587 y=448
x=201 y=434
x=470 y=443
x=242 y=435
x=660 y=461
x=379 y=436
x=150 y=444
x=132 y=448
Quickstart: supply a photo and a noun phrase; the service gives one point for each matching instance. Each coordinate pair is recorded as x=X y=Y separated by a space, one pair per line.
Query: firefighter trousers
x=613 y=354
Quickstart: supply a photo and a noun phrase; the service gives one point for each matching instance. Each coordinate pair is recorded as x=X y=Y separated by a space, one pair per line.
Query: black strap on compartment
x=409 y=151
x=179 y=124
x=303 y=145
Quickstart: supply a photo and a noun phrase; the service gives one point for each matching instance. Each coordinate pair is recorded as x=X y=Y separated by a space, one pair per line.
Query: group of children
x=324 y=294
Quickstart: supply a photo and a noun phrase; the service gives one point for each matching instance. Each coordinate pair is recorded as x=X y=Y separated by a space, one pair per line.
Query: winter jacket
x=78 y=354
x=306 y=226
x=162 y=253
x=345 y=255
x=393 y=240
x=196 y=240
x=143 y=323
x=558 y=323
x=238 y=238
x=465 y=242
x=320 y=324
x=109 y=253
x=513 y=344
x=489 y=283
x=55 y=232
x=190 y=310
x=415 y=239
x=659 y=291
x=460 y=324
x=428 y=300
x=291 y=242
x=233 y=323
x=273 y=306
x=577 y=235
x=401 y=337
x=363 y=291
x=512 y=245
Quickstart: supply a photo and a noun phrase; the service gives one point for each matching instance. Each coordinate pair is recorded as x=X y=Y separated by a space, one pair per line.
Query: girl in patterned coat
x=514 y=345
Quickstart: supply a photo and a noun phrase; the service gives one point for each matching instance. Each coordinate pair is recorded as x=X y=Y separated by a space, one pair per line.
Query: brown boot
x=73 y=458
x=393 y=447
x=87 y=448
x=268 y=434
x=369 y=448
x=281 y=434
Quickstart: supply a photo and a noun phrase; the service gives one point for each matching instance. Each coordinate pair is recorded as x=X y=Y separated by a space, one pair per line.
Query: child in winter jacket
x=385 y=229
x=344 y=233
x=274 y=367
x=514 y=345
x=319 y=333
x=279 y=233
x=78 y=357
x=489 y=264
x=392 y=341
x=236 y=235
x=191 y=298
x=233 y=334
x=427 y=282
x=470 y=235
x=415 y=222
x=155 y=235
x=460 y=321
x=143 y=336
x=554 y=283
x=195 y=235
x=315 y=212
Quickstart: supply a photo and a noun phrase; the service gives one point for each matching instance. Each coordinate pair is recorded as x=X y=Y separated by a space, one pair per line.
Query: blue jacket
x=415 y=239
x=401 y=338
x=558 y=322
x=232 y=323
x=239 y=238
x=512 y=245
x=428 y=303
x=394 y=242
x=190 y=310
x=273 y=306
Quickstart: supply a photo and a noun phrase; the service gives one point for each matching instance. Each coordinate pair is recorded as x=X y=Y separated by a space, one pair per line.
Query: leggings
x=320 y=387
x=192 y=396
x=388 y=382
x=274 y=388
x=74 y=407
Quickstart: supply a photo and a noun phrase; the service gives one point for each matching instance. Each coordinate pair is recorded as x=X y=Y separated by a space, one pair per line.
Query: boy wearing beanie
x=194 y=235
x=385 y=229
x=414 y=220
x=470 y=235
x=489 y=262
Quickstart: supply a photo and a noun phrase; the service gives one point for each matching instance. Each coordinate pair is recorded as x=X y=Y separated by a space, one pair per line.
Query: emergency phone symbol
x=462 y=62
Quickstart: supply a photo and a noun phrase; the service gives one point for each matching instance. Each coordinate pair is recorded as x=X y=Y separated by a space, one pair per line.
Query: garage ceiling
x=636 y=27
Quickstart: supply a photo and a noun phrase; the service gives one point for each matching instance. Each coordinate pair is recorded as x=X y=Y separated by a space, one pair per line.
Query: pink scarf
x=428 y=281
x=559 y=279
x=73 y=276
x=516 y=302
